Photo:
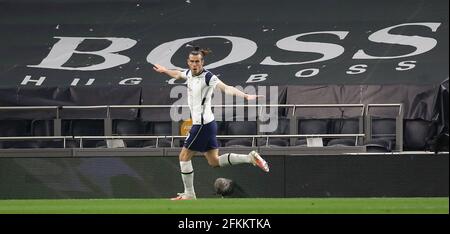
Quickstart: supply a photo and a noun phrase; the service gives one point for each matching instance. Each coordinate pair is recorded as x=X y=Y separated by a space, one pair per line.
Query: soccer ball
x=223 y=186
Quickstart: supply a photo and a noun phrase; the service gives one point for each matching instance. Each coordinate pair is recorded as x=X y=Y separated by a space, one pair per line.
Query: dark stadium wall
x=290 y=176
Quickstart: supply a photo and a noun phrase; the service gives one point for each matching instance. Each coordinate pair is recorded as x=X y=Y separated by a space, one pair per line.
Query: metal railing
x=172 y=138
x=47 y=138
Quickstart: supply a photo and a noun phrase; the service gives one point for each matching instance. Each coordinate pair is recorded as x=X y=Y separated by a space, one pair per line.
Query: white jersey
x=200 y=89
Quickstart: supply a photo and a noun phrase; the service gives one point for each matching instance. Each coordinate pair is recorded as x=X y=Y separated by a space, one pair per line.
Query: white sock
x=232 y=159
x=187 y=174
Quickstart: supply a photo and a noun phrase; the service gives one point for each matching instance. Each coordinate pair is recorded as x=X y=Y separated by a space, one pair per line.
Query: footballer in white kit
x=202 y=136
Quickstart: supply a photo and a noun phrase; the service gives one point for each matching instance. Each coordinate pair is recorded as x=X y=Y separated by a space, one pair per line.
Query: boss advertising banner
x=93 y=52
x=89 y=43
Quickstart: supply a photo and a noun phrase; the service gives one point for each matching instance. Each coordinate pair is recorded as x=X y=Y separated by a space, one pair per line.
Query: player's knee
x=213 y=163
x=184 y=156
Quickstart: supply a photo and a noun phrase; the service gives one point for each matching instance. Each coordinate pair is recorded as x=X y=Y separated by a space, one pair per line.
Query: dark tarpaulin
x=156 y=95
x=73 y=96
x=325 y=94
x=134 y=95
x=162 y=96
x=271 y=95
x=26 y=96
x=440 y=142
x=102 y=96
x=441 y=111
x=418 y=101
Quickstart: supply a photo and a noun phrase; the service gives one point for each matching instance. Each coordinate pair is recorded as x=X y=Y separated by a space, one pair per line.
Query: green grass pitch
x=229 y=206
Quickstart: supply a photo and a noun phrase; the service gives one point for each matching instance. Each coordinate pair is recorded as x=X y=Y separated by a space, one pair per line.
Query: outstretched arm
x=173 y=73
x=233 y=91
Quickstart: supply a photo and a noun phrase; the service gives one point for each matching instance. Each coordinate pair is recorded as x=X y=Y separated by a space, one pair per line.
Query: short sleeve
x=184 y=74
x=214 y=81
x=211 y=79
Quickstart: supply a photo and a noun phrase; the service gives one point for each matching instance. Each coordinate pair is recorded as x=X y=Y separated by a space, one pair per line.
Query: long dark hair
x=203 y=51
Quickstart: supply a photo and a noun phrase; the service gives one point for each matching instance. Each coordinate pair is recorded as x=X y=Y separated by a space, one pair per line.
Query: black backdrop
x=416 y=46
x=406 y=40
